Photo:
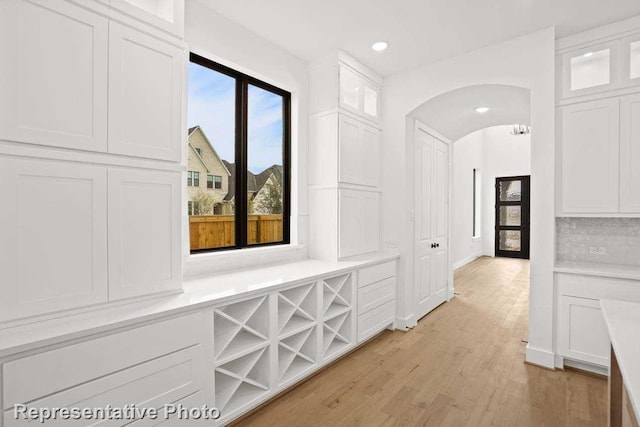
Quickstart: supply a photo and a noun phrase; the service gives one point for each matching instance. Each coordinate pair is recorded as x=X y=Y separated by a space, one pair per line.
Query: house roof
x=251 y=181
x=199 y=129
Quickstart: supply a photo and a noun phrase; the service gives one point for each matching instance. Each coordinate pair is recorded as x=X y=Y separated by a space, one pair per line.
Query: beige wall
x=213 y=162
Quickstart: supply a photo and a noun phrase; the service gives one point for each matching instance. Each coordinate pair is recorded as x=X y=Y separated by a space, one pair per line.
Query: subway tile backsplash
x=620 y=237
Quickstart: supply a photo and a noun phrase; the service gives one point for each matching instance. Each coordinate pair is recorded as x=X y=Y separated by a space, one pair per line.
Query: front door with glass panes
x=512 y=216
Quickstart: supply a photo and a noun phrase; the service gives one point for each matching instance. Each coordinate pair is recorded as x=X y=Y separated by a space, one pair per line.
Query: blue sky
x=211 y=106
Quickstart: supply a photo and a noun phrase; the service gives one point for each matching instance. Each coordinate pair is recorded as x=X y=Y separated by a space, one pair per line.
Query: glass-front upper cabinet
x=167 y=15
x=630 y=62
x=590 y=70
x=358 y=94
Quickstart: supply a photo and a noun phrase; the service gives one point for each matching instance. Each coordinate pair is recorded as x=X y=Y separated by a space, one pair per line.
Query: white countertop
x=623 y=321
x=616 y=271
x=198 y=293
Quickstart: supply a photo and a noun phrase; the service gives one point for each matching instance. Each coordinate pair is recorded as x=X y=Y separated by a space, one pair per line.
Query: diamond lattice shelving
x=336 y=296
x=240 y=328
x=297 y=309
x=297 y=354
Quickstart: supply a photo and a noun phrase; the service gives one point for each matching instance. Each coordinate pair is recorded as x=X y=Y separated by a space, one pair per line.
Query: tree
x=203 y=203
x=271 y=200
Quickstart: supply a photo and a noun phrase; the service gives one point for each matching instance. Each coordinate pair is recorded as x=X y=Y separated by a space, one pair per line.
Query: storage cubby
x=297 y=354
x=337 y=334
x=242 y=380
x=297 y=309
x=240 y=327
x=337 y=295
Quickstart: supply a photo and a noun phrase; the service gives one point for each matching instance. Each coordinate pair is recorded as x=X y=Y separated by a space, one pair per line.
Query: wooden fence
x=216 y=231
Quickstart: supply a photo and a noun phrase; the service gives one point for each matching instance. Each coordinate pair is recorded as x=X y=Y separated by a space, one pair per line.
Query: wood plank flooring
x=463 y=365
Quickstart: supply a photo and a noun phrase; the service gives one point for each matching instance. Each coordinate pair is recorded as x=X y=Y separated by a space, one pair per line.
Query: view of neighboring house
x=211 y=182
x=207 y=176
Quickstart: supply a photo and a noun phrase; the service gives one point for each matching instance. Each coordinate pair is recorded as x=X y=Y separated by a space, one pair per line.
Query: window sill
x=240 y=259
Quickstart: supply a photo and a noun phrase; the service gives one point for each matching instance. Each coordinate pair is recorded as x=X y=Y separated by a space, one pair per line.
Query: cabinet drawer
x=31 y=378
x=376 y=294
x=149 y=385
x=369 y=275
x=375 y=320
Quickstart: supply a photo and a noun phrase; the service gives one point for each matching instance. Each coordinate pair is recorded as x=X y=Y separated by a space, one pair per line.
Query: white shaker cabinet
x=590 y=157
x=359 y=222
x=53 y=78
x=359 y=158
x=630 y=154
x=144 y=232
x=358 y=94
x=53 y=250
x=145 y=95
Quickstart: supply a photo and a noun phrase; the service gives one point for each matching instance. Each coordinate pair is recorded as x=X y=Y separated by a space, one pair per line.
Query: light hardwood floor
x=463 y=365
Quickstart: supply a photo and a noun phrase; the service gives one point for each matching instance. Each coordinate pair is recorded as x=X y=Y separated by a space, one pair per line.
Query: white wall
x=467 y=156
x=215 y=37
x=527 y=62
x=503 y=155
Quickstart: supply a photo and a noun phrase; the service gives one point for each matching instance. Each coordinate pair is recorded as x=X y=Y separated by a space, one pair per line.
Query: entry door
x=431 y=222
x=512 y=216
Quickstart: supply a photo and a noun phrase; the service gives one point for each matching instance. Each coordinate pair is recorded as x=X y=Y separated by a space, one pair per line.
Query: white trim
x=537 y=356
x=600 y=370
x=406 y=323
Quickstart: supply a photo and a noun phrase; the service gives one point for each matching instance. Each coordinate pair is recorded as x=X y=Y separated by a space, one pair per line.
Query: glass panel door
x=512 y=217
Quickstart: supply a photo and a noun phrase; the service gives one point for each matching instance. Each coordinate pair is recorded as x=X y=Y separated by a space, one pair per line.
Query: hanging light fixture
x=520 y=130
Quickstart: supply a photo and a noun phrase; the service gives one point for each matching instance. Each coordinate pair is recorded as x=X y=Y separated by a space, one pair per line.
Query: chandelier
x=520 y=130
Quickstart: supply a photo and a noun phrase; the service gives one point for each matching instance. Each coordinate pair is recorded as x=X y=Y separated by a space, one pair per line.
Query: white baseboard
x=406 y=323
x=600 y=370
x=540 y=357
x=465 y=261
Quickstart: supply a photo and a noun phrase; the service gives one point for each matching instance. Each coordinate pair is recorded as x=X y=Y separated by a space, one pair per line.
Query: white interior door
x=431 y=221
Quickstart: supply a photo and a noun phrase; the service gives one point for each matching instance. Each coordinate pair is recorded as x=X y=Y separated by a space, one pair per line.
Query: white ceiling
x=453 y=114
x=418 y=31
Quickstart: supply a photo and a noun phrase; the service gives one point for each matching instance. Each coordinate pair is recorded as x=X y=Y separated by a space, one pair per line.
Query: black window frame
x=241 y=154
x=209 y=181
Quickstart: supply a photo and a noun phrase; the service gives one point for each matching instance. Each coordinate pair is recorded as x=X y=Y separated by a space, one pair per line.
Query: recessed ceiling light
x=588 y=54
x=379 y=46
x=482 y=110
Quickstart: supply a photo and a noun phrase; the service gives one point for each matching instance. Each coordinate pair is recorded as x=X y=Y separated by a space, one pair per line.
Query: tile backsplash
x=620 y=237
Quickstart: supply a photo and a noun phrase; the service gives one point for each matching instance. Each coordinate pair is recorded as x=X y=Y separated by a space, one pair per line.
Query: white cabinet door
x=53 y=250
x=590 y=157
x=145 y=95
x=630 y=154
x=590 y=70
x=630 y=61
x=53 y=77
x=144 y=232
x=359 y=222
x=359 y=153
x=583 y=334
x=358 y=94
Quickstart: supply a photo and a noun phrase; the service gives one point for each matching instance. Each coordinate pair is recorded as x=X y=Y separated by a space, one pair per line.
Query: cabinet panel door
x=53 y=251
x=350 y=89
x=145 y=95
x=359 y=222
x=371 y=154
x=350 y=143
x=590 y=157
x=583 y=334
x=144 y=232
x=53 y=78
x=630 y=154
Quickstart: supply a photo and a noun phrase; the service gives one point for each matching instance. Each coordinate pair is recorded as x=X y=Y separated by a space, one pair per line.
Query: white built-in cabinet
x=91 y=112
x=600 y=147
x=53 y=250
x=53 y=77
x=345 y=158
x=590 y=156
x=581 y=333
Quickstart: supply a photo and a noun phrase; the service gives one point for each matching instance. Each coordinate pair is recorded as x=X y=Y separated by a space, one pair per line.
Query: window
x=190 y=179
x=247 y=123
x=199 y=151
x=196 y=179
x=477 y=203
